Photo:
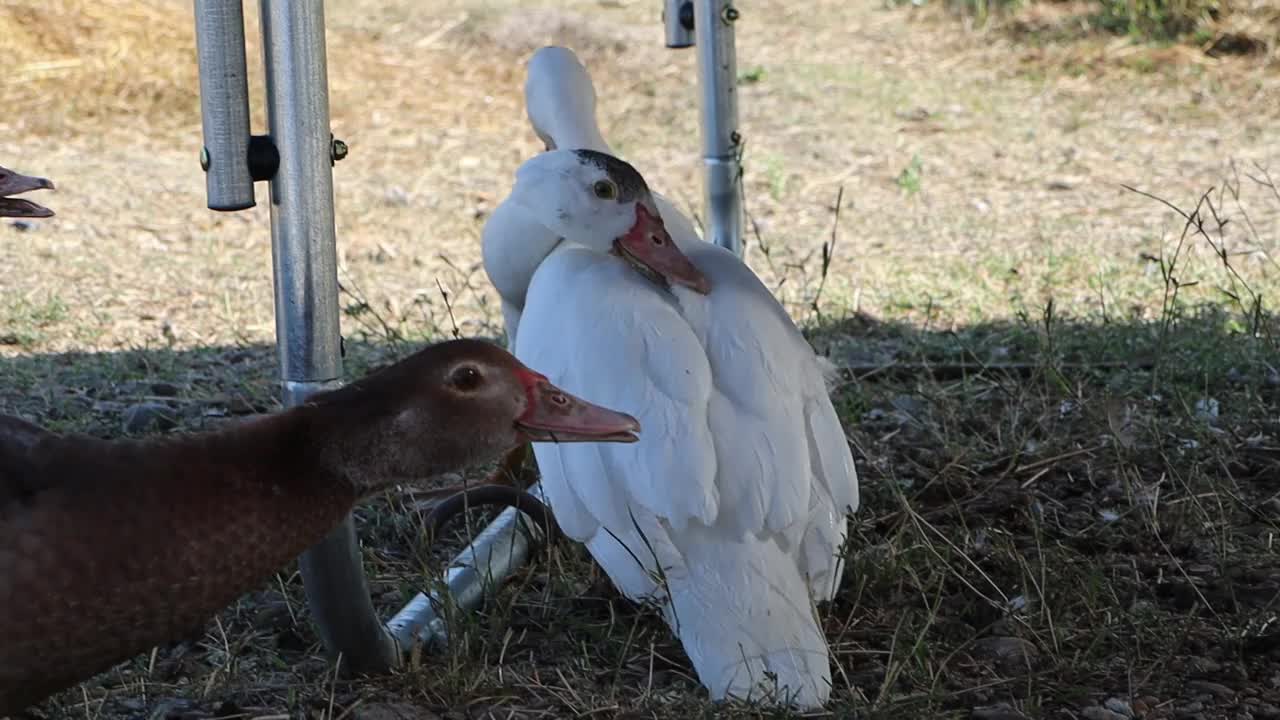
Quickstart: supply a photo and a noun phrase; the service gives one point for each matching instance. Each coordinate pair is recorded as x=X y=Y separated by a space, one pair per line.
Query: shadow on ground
x=1060 y=518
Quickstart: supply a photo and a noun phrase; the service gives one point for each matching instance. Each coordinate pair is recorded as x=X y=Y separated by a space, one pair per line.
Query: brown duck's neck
x=145 y=541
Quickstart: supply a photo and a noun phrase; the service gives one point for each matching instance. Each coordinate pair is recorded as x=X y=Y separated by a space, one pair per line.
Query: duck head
x=455 y=404
x=601 y=202
x=12 y=183
x=560 y=100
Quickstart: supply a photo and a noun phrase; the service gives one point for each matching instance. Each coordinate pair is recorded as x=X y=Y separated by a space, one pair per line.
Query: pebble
x=999 y=711
x=1118 y=706
x=1097 y=712
x=1011 y=654
x=393 y=711
x=164 y=389
x=149 y=416
x=1212 y=688
x=1190 y=710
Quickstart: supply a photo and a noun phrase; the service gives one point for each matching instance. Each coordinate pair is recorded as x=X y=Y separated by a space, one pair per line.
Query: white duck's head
x=560 y=101
x=600 y=202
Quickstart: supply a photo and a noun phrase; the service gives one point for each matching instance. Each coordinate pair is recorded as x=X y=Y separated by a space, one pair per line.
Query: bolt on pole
x=296 y=158
x=708 y=26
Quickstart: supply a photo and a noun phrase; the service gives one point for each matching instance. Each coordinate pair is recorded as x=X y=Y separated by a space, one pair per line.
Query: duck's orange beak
x=554 y=415
x=12 y=183
x=649 y=249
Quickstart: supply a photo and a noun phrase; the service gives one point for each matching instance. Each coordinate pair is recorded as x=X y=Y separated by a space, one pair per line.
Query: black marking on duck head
x=631 y=185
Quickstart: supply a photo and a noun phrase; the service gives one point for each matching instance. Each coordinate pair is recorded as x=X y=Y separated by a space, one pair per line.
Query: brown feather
x=108 y=548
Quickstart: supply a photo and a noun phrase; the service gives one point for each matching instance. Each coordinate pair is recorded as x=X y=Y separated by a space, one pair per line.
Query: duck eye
x=465 y=378
x=605 y=190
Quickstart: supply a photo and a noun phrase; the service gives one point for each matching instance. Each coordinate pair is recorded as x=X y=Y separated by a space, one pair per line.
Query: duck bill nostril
x=649 y=245
x=553 y=415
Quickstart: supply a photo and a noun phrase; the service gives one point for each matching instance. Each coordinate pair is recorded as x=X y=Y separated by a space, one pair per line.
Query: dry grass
x=1102 y=517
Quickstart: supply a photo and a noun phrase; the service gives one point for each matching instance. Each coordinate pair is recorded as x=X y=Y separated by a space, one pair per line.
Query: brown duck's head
x=12 y=183
x=452 y=406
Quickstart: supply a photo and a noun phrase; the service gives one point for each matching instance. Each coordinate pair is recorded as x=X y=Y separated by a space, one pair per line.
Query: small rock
x=1059 y=185
x=273 y=615
x=242 y=406
x=164 y=389
x=169 y=708
x=392 y=711
x=1207 y=666
x=396 y=197
x=1213 y=688
x=1207 y=409
x=149 y=416
x=1190 y=710
x=999 y=711
x=1267 y=710
x=1011 y=653
x=1118 y=706
x=1096 y=712
x=908 y=409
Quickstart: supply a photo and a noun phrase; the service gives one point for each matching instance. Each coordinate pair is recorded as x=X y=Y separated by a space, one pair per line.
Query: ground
x=1063 y=403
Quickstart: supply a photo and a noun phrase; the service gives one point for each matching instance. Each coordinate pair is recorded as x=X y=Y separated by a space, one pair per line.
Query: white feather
x=730 y=510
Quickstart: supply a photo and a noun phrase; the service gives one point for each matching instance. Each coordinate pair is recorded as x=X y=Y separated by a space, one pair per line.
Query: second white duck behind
x=730 y=512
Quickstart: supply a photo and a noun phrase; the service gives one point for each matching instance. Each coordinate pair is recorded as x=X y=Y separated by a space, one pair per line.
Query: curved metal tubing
x=304 y=252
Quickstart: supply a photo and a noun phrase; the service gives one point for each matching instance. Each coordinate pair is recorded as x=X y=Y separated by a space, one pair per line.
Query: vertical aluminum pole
x=224 y=104
x=718 y=102
x=306 y=297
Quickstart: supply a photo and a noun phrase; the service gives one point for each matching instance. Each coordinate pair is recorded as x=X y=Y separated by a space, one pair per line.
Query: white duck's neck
x=514 y=244
x=569 y=130
x=561 y=103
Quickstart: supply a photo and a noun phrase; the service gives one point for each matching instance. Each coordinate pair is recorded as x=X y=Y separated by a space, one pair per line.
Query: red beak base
x=554 y=415
x=650 y=250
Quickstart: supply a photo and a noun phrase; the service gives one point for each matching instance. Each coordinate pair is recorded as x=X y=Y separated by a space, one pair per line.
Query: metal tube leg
x=224 y=104
x=497 y=552
x=306 y=297
x=718 y=102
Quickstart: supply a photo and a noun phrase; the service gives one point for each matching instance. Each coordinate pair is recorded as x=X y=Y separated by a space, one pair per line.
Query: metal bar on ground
x=497 y=552
x=224 y=104
x=308 y=343
x=718 y=103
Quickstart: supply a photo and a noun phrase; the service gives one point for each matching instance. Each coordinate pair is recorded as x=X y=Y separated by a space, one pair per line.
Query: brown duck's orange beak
x=12 y=183
x=554 y=415
x=649 y=249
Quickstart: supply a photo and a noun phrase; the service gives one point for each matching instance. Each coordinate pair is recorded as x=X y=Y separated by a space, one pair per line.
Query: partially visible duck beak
x=554 y=415
x=649 y=249
x=12 y=183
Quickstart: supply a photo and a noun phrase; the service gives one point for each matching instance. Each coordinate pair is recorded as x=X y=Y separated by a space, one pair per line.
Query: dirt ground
x=1066 y=421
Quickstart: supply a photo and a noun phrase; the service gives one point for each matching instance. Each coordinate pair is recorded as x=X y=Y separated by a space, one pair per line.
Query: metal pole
x=498 y=551
x=224 y=104
x=306 y=301
x=718 y=102
x=677 y=18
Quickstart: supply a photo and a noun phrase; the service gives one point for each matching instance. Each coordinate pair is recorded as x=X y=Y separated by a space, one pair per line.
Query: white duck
x=730 y=511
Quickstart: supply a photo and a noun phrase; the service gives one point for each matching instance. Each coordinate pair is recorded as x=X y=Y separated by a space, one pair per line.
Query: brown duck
x=108 y=548
x=12 y=183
